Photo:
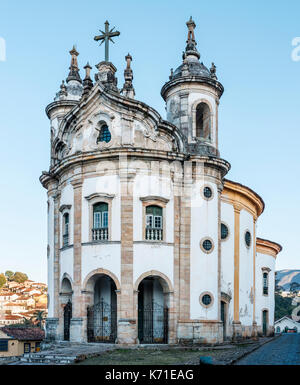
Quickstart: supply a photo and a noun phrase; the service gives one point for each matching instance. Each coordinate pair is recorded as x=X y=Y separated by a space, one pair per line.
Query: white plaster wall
x=67 y=198
x=51 y=258
x=105 y=256
x=146 y=185
x=264 y=302
x=227 y=257
x=66 y=263
x=246 y=270
x=204 y=267
x=107 y=184
x=148 y=257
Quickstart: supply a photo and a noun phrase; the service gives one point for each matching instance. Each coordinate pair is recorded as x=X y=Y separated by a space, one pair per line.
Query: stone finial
x=128 y=90
x=171 y=74
x=191 y=49
x=213 y=70
x=63 y=93
x=74 y=70
x=87 y=82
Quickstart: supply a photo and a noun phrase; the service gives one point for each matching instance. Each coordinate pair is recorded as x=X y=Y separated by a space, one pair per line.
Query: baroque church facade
x=148 y=241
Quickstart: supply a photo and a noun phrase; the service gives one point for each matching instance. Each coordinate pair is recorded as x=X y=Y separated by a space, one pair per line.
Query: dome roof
x=195 y=68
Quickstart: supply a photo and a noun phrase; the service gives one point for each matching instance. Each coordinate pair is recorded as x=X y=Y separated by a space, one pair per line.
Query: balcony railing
x=154 y=234
x=65 y=240
x=100 y=234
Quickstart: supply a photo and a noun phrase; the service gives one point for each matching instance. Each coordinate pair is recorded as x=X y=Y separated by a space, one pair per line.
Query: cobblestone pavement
x=284 y=350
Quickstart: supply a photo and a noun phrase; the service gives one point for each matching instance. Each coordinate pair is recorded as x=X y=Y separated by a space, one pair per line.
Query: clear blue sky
x=251 y=44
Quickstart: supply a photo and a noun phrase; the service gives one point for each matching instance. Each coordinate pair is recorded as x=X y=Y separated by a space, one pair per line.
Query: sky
x=259 y=117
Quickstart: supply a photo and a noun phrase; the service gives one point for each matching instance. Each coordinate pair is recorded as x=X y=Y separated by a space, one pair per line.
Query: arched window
x=265 y=284
x=154 y=223
x=203 y=121
x=66 y=220
x=105 y=135
x=100 y=221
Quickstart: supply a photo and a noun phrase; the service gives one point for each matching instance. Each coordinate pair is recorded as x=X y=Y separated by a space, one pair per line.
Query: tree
x=39 y=318
x=2 y=280
x=9 y=274
x=19 y=277
x=295 y=286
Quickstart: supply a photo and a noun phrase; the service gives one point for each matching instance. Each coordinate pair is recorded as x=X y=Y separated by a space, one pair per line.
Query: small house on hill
x=286 y=323
x=15 y=341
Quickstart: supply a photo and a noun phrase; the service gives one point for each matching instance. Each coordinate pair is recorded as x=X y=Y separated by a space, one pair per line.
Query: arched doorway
x=66 y=293
x=223 y=318
x=153 y=317
x=102 y=315
x=265 y=322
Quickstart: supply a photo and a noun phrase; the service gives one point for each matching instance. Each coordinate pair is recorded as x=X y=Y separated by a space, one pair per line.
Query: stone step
x=48 y=358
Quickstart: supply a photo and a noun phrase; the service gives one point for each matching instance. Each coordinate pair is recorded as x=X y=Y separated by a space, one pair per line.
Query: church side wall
x=204 y=266
x=227 y=262
x=265 y=302
x=50 y=258
x=246 y=274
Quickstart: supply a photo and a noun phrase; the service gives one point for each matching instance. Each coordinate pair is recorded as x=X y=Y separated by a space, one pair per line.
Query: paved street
x=284 y=350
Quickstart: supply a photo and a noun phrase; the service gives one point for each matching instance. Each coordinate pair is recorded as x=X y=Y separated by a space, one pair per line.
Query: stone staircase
x=48 y=359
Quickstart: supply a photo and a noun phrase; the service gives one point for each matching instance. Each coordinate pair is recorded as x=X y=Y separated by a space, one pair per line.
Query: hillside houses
x=21 y=300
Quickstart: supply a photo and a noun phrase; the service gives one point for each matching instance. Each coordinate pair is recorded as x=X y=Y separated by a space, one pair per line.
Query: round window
x=224 y=231
x=206 y=299
x=207 y=245
x=248 y=238
x=207 y=192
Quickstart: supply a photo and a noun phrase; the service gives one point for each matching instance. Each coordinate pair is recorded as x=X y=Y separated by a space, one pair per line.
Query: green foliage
x=2 y=280
x=283 y=306
x=38 y=318
x=19 y=277
x=9 y=274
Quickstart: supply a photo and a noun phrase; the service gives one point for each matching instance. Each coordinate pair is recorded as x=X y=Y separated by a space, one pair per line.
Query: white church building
x=148 y=241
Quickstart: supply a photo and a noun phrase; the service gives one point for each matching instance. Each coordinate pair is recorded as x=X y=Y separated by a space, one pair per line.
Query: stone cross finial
x=106 y=37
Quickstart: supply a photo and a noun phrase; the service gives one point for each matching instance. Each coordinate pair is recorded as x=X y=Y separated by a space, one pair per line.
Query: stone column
x=236 y=325
x=177 y=184
x=254 y=324
x=76 y=327
x=127 y=323
x=52 y=324
x=185 y=241
x=184 y=119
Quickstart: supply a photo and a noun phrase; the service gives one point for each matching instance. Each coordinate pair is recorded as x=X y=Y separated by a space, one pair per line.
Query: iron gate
x=153 y=324
x=67 y=320
x=102 y=322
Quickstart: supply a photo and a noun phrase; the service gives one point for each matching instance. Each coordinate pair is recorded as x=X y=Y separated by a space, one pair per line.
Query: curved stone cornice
x=192 y=79
x=264 y=246
x=243 y=197
x=154 y=198
x=60 y=103
x=99 y=195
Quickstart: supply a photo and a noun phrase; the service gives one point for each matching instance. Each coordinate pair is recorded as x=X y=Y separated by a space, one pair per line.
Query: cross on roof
x=107 y=37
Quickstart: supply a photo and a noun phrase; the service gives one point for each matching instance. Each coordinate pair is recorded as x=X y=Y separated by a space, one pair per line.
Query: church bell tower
x=192 y=97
